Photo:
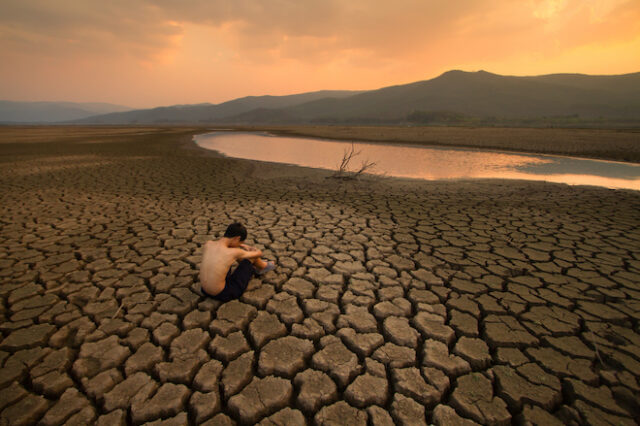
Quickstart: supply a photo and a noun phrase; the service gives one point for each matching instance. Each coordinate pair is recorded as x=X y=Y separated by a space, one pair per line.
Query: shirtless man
x=216 y=278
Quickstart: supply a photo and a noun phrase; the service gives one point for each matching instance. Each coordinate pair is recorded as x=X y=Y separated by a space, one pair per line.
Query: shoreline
x=373 y=176
x=425 y=145
x=626 y=150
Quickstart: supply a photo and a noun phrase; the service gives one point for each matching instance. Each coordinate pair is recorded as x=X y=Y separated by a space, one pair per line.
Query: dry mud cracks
x=449 y=303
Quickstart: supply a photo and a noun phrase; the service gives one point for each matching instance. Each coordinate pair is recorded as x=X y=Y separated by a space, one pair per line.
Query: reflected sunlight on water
x=424 y=162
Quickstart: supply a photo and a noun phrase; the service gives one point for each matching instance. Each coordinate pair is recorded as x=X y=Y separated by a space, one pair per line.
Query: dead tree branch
x=343 y=171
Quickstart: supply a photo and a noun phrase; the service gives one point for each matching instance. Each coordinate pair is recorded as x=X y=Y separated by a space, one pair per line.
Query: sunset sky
x=146 y=53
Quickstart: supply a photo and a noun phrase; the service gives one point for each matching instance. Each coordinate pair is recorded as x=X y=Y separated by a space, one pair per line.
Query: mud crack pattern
x=450 y=303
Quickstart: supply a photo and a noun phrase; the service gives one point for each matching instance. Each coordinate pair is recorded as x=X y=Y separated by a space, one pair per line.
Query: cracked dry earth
x=452 y=303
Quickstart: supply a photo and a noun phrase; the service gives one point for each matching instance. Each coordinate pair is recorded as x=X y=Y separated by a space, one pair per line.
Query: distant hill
x=455 y=97
x=210 y=113
x=51 y=112
x=483 y=95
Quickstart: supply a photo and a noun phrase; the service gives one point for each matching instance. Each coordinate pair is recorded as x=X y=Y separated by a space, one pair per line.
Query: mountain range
x=12 y=112
x=455 y=97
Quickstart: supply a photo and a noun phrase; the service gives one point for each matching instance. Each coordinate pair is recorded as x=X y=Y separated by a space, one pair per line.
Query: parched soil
x=394 y=301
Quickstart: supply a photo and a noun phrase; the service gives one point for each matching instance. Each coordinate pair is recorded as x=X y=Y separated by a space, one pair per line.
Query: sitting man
x=216 y=278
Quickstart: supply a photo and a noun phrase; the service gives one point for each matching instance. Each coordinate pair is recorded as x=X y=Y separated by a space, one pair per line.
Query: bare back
x=217 y=258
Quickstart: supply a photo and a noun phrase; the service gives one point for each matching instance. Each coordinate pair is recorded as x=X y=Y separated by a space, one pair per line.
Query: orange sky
x=146 y=53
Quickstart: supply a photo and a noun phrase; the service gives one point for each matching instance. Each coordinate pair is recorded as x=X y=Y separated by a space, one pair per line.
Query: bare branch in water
x=343 y=171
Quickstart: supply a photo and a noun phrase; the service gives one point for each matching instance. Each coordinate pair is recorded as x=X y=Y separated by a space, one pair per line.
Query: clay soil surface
x=394 y=301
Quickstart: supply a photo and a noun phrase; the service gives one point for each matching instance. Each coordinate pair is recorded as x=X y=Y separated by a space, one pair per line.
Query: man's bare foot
x=270 y=266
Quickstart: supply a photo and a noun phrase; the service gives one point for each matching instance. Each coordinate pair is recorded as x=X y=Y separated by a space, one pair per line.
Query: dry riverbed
x=401 y=301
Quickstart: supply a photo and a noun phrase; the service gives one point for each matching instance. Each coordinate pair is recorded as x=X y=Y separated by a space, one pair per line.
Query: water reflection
x=425 y=163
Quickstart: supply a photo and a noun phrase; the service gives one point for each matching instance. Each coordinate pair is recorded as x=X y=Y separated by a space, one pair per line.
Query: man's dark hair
x=236 y=230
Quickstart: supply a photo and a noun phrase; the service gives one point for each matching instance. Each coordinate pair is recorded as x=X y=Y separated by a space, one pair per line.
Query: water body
x=414 y=161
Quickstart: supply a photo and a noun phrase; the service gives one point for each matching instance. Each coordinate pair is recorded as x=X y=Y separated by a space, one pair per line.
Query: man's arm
x=247 y=254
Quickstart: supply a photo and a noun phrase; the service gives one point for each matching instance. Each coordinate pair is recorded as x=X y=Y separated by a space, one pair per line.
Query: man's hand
x=248 y=248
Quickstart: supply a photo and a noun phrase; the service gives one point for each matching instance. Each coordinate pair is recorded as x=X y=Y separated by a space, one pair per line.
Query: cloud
x=303 y=30
x=163 y=51
x=69 y=27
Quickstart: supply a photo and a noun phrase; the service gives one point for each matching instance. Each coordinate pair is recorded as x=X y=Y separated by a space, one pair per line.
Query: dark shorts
x=235 y=283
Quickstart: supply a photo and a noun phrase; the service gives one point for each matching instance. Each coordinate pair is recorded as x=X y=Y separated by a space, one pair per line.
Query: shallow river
x=421 y=162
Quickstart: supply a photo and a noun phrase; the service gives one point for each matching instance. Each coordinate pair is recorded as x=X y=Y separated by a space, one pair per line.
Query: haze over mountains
x=210 y=113
x=51 y=112
x=455 y=97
